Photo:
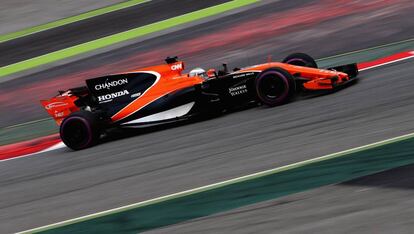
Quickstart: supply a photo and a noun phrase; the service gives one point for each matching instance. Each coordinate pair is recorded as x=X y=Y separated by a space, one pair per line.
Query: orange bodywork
x=171 y=78
x=319 y=79
x=60 y=107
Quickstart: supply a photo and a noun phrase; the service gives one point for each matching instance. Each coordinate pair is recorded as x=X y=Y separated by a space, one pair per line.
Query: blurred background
x=50 y=45
x=321 y=28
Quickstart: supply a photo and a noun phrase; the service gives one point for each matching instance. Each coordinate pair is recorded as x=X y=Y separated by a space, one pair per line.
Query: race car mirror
x=225 y=69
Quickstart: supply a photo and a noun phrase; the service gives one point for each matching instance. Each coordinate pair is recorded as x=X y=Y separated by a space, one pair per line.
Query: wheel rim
x=273 y=86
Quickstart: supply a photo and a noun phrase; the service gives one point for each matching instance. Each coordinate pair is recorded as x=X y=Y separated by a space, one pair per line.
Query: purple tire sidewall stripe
x=280 y=75
x=86 y=123
x=296 y=59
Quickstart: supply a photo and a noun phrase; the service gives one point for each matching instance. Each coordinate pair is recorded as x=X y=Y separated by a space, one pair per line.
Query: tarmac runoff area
x=17 y=15
x=122 y=37
x=247 y=190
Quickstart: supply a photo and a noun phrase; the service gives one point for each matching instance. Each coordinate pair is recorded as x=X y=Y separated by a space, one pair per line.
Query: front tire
x=300 y=59
x=80 y=130
x=275 y=87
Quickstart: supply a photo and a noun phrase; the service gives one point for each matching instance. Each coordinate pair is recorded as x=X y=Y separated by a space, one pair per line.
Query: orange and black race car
x=163 y=93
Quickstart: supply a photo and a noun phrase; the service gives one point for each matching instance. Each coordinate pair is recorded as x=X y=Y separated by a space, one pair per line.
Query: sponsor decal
x=59 y=114
x=178 y=66
x=238 y=90
x=55 y=104
x=134 y=95
x=328 y=71
x=242 y=75
x=109 y=97
x=109 y=84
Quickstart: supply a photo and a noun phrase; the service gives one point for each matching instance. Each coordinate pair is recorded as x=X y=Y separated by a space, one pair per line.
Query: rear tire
x=80 y=130
x=275 y=86
x=300 y=59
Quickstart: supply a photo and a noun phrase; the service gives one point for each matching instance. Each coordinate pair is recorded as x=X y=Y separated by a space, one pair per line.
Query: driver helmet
x=198 y=72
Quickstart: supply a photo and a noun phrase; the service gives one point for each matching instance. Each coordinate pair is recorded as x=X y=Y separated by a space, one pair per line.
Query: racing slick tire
x=80 y=130
x=275 y=86
x=300 y=59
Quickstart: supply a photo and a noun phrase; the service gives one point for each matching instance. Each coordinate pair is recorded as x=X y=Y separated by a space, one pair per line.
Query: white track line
x=390 y=62
x=56 y=146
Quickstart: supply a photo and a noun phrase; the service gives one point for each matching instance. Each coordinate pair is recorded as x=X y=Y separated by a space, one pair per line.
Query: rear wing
x=62 y=105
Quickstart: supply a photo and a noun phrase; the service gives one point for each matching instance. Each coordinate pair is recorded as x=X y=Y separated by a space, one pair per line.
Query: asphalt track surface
x=62 y=184
x=59 y=185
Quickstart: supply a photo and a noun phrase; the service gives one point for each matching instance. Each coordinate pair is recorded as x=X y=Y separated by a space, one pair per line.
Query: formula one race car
x=163 y=93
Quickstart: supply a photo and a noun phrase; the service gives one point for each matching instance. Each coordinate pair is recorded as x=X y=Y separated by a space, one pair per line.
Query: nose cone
x=342 y=77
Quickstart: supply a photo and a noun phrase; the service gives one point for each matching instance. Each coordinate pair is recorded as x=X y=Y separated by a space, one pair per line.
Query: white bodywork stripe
x=165 y=115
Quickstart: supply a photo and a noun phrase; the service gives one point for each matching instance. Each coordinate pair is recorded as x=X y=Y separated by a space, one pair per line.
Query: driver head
x=198 y=72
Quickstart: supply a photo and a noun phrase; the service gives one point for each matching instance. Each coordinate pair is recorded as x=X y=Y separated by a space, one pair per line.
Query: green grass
x=123 y=36
x=72 y=19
